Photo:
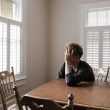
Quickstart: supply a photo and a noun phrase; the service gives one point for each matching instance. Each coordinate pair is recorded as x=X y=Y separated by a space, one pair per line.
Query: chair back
x=108 y=74
x=8 y=89
x=101 y=74
x=36 y=103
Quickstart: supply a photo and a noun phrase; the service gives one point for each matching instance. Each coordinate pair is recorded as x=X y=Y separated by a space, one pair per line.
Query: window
x=10 y=35
x=96 y=31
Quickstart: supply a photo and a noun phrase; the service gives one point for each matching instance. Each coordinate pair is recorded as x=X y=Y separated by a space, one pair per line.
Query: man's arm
x=68 y=58
x=61 y=73
x=68 y=68
x=73 y=79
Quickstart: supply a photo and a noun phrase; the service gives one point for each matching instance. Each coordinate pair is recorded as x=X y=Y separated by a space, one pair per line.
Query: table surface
x=95 y=95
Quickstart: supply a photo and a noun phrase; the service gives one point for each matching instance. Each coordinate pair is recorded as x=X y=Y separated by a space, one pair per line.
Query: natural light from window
x=97 y=34
x=98 y=17
x=10 y=35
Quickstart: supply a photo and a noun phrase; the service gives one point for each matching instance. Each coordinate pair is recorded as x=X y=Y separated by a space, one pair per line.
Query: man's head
x=75 y=48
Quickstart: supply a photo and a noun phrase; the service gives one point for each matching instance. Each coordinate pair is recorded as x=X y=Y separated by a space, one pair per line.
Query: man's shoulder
x=84 y=65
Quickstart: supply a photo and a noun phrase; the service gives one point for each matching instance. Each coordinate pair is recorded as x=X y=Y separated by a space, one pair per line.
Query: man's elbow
x=71 y=83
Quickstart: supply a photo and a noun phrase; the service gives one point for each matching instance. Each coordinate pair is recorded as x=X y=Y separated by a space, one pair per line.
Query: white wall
x=63 y=27
x=37 y=35
x=36 y=43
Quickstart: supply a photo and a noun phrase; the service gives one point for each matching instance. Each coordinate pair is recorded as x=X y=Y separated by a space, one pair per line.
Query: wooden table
x=94 y=95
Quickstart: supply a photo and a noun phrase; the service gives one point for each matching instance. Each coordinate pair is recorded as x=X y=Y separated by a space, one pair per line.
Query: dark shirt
x=84 y=73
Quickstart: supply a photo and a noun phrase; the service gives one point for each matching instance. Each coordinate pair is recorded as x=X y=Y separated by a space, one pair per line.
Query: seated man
x=74 y=70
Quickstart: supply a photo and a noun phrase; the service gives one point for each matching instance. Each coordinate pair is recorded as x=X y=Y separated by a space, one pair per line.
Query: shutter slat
x=15 y=47
x=93 y=48
x=3 y=46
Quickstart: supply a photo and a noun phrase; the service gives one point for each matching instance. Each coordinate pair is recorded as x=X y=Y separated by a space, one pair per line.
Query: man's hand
x=68 y=56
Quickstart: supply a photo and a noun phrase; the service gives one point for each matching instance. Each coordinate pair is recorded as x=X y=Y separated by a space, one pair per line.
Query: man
x=74 y=70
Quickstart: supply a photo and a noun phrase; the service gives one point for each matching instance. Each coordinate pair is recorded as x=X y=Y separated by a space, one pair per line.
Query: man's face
x=74 y=58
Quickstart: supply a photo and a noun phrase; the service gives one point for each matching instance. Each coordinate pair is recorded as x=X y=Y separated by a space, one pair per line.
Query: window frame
x=22 y=76
x=83 y=17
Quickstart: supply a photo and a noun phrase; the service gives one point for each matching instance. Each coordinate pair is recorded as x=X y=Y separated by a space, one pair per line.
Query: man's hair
x=77 y=49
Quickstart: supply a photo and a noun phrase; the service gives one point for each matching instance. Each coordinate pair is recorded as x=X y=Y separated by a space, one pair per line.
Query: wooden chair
x=101 y=74
x=8 y=90
x=35 y=103
x=108 y=74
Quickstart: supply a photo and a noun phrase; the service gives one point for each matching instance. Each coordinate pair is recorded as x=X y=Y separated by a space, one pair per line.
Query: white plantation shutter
x=15 y=48
x=97 y=36
x=10 y=35
x=106 y=48
x=10 y=47
x=3 y=46
x=98 y=46
x=92 y=48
